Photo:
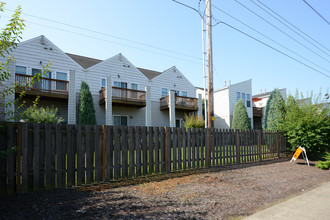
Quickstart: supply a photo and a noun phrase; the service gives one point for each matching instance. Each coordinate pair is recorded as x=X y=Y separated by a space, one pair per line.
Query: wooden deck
x=44 y=87
x=181 y=103
x=124 y=97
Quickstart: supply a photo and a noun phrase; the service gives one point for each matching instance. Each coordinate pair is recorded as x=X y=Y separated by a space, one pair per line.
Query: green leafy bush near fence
x=193 y=121
x=324 y=165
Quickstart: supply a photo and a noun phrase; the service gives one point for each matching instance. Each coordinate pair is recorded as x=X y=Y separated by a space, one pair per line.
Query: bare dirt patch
x=218 y=193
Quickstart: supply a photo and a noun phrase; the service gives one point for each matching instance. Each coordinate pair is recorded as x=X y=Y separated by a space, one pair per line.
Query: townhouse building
x=122 y=93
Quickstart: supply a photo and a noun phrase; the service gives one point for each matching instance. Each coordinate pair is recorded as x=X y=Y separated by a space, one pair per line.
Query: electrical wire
x=293 y=25
x=242 y=32
x=289 y=28
x=108 y=35
x=318 y=13
x=269 y=38
x=282 y=31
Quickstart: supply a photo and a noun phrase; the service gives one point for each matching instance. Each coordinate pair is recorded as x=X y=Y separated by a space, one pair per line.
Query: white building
x=137 y=97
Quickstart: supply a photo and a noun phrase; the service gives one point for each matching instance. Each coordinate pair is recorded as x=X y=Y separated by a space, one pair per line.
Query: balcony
x=257 y=112
x=124 y=97
x=44 y=87
x=181 y=103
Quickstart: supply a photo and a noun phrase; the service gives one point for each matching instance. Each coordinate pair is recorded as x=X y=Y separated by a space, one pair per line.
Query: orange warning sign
x=297 y=153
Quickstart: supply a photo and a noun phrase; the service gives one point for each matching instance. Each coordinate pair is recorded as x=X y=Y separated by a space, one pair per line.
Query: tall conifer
x=241 y=119
x=86 y=111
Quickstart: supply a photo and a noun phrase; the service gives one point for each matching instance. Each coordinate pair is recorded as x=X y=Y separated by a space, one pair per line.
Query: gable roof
x=85 y=62
x=150 y=74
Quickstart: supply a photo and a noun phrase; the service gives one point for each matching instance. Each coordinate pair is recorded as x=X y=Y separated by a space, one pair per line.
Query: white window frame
x=161 y=92
x=248 y=100
x=181 y=122
x=185 y=92
x=105 y=80
x=120 y=119
x=27 y=68
x=120 y=83
x=137 y=86
x=67 y=75
x=238 y=98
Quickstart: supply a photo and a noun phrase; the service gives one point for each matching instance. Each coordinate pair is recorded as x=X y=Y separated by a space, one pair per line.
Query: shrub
x=274 y=111
x=324 y=165
x=193 y=121
x=307 y=125
x=86 y=111
x=241 y=119
x=47 y=115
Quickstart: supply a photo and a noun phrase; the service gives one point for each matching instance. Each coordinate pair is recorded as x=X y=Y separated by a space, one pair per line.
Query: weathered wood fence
x=51 y=156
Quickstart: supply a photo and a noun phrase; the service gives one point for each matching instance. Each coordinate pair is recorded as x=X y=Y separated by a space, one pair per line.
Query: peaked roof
x=150 y=74
x=85 y=62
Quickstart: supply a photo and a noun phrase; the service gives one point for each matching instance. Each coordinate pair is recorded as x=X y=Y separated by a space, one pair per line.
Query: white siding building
x=225 y=100
x=137 y=97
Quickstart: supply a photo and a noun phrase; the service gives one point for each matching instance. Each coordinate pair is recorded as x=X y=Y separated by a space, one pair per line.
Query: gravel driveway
x=218 y=193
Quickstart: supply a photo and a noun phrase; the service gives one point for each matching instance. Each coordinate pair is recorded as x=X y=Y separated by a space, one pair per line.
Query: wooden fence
x=51 y=156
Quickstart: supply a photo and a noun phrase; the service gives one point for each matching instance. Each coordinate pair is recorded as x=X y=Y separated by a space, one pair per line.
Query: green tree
x=193 y=121
x=274 y=111
x=307 y=124
x=86 y=111
x=241 y=119
x=47 y=115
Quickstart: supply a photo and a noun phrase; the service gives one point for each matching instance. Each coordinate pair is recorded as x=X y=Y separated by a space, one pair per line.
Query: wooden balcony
x=181 y=103
x=124 y=97
x=44 y=87
x=257 y=112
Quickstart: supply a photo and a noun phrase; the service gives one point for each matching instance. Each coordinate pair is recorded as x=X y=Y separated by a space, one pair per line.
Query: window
x=164 y=92
x=61 y=76
x=120 y=120
x=243 y=97
x=184 y=93
x=42 y=84
x=120 y=84
x=61 y=85
x=134 y=86
x=20 y=70
x=238 y=96
x=248 y=100
x=178 y=123
x=103 y=83
x=177 y=93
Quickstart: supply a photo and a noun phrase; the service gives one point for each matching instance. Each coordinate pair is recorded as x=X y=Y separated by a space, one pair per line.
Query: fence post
x=104 y=139
x=259 y=145
x=208 y=148
x=167 y=160
x=278 y=144
x=237 y=147
x=19 y=157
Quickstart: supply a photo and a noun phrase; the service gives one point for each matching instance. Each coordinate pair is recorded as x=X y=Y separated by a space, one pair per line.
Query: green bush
x=86 y=111
x=307 y=125
x=47 y=115
x=274 y=111
x=241 y=119
x=193 y=121
x=324 y=165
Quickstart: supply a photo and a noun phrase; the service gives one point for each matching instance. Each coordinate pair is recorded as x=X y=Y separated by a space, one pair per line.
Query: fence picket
x=11 y=163
x=131 y=147
x=138 y=150
x=124 y=152
x=144 y=150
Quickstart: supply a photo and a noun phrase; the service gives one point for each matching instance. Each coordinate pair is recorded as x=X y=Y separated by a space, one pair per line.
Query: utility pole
x=210 y=63
x=204 y=76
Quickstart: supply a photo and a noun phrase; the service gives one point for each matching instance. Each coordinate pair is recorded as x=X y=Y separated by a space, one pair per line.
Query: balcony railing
x=181 y=103
x=257 y=112
x=124 y=97
x=43 y=87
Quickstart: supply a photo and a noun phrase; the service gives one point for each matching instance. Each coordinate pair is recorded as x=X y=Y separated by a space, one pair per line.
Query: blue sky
x=159 y=34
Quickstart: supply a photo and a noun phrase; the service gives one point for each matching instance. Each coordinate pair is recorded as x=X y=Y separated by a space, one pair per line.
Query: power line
x=269 y=38
x=289 y=27
x=109 y=35
x=294 y=26
x=323 y=18
x=274 y=49
x=113 y=42
x=282 y=31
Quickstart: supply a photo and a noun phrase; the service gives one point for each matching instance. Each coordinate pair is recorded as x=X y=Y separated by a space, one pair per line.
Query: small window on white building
x=103 y=83
x=178 y=123
x=61 y=85
x=21 y=70
x=177 y=93
x=120 y=120
x=238 y=96
x=248 y=100
x=61 y=76
x=243 y=97
x=164 y=92
x=184 y=93
x=134 y=86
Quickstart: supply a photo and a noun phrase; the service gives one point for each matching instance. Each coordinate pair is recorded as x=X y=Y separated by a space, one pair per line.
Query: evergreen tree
x=86 y=111
x=241 y=119
x=274 y=112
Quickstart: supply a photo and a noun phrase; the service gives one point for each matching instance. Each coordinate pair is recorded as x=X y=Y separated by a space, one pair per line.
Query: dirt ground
x=218 y=193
